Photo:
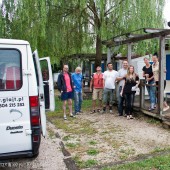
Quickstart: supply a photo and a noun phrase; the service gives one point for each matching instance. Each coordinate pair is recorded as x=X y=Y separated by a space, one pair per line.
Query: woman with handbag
x=129 y=89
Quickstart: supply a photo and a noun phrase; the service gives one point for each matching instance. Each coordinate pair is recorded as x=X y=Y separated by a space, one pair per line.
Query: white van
x=22 y=100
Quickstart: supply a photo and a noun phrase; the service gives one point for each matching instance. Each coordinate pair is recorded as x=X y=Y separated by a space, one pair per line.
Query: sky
x=167 y=10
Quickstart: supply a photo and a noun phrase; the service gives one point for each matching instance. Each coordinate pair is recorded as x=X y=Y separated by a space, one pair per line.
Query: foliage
x=58 y=28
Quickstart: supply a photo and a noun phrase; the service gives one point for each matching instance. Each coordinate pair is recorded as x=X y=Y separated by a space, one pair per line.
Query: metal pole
x=161 y=75
x=108 y=55
x=129 y=52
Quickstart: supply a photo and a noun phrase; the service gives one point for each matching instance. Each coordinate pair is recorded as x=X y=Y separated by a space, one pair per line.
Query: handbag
x=135 y=88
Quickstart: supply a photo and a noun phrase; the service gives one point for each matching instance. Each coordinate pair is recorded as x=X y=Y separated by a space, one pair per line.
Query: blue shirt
x=77 y=82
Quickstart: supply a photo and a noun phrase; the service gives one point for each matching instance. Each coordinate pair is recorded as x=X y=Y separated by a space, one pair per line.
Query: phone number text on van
x=12 y=105
x=12 y=102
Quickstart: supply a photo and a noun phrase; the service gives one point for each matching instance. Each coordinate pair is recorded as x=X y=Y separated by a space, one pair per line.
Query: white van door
x=41 y=92
x=48 y=83
x=15 y=125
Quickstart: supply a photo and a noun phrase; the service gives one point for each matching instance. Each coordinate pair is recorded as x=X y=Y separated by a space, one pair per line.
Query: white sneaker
x=71 y=115
x=103 y=111
x=110 y=111
x=131 y=117
x=128 y=117
x=165 y=108
x=65 y=118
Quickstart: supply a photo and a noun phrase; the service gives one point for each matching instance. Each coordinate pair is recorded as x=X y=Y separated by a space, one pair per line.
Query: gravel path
x=117 y=138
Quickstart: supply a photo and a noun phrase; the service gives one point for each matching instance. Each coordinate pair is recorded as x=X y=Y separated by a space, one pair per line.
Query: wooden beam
x=111 y=43
x=152 y=30
x=133 y=35
x=161 y=75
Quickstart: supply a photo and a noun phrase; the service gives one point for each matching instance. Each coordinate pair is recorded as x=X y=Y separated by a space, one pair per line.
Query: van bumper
x=16 y=155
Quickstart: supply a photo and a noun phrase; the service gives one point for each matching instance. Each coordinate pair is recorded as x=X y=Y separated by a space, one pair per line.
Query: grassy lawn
x=156 y=163
x=75 y=128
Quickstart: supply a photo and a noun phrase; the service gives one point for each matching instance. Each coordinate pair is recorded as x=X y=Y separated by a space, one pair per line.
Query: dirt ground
x=106 y=138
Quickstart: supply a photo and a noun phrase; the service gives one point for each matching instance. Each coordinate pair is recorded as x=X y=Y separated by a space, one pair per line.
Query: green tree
x=59 y=28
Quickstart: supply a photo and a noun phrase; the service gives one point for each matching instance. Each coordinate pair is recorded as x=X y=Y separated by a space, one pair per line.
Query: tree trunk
x=98 y=51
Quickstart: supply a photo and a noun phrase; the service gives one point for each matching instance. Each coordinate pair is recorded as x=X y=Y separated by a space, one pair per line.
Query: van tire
x=35 y=155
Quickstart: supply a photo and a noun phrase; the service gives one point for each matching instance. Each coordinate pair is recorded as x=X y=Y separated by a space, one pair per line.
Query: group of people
x=70 y=86
x=103 y=86
x=106 y=83
x=151 y=74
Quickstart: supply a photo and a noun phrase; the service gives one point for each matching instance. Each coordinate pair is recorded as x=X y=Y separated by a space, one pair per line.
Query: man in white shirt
x=109 y=78
x=122 y=72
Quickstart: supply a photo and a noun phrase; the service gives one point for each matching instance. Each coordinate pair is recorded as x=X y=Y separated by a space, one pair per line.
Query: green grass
x=85 y=164
x=153 y=121
x=92 y=142
x=66 y=138
x=72 y=126
x=51 y=133
x=125 y=153
x=157 y=163
x=92 y=152
x=86 y=104
x=72 y=145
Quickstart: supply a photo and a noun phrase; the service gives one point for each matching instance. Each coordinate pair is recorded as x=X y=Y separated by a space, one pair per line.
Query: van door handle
x=28 y=131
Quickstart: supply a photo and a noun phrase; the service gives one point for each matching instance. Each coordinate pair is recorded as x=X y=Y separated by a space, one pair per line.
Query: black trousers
x=129 y=97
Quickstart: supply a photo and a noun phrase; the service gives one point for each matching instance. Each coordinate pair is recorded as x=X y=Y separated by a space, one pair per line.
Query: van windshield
x=10 y=69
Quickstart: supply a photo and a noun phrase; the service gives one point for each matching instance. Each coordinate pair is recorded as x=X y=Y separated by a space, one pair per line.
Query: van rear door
x=48 y=83
x=15 y=125
x=41 y=92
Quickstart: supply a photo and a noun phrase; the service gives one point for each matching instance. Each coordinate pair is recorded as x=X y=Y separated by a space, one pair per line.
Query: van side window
x=10 y=69
x=44 y=68
x=36 y=71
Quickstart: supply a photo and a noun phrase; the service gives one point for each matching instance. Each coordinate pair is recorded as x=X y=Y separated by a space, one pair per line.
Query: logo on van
x=14 y=127
x=18 y=116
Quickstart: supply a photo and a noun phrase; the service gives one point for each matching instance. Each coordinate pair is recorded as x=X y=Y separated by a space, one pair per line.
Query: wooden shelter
x=128 y=39
x=85 y=61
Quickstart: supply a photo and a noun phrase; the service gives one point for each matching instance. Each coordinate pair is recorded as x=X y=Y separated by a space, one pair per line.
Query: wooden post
x=142 y=94
x=129 y=52
x=108 y=55
x=161 y=75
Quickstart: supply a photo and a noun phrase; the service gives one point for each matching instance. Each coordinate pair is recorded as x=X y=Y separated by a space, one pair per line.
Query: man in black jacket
x=65 y=86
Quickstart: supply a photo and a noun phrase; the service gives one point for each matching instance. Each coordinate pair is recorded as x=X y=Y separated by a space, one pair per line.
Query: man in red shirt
x=66 y=88
x=97 y=83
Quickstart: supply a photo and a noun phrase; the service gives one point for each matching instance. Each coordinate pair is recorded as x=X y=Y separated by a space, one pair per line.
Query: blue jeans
x=121 y=100
x=151 y=91
x=129 y=97
x=78 y=98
